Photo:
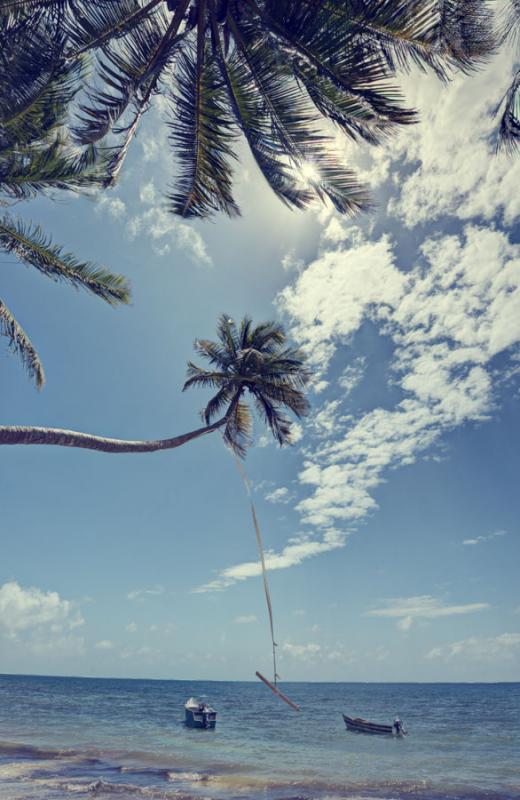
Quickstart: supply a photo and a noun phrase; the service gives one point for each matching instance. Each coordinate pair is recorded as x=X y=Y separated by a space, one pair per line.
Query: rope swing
x=273 y=685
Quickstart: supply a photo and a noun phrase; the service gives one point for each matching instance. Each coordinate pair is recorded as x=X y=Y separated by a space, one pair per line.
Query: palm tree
x=272 y=71
x=245 y=360
x=36 y=157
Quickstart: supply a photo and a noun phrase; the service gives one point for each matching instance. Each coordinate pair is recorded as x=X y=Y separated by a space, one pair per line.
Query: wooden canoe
x=364 y=726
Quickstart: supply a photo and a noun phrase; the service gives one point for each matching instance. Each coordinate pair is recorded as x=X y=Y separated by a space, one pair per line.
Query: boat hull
x=200 y=719
x=358 y=725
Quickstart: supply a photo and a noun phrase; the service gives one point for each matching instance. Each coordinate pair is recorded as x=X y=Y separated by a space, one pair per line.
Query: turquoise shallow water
x=77 y=737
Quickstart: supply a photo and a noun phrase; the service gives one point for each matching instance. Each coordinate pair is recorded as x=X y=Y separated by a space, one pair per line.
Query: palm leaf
x=21 y=345
x=509 y=130
x=255 y=124
x=202 y=135
x=32 y=247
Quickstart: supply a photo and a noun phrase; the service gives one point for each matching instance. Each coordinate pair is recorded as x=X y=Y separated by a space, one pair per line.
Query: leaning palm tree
x=271 y=71
x=245 y=361
x=36 y=157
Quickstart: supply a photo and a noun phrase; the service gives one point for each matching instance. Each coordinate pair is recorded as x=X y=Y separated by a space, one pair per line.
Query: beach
x=83 y=737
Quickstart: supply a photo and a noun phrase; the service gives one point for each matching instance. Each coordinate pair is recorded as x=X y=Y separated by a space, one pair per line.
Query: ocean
x=82 y=738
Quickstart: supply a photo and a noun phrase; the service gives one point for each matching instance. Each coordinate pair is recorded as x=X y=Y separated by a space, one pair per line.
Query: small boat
x=359 y=725
x=199 y=714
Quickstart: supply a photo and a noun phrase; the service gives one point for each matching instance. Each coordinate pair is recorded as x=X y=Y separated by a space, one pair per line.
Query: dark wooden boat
x=359 y=725
x=199 y=715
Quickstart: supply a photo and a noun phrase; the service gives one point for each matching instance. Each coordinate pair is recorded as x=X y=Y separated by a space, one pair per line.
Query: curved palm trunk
x=11 y=434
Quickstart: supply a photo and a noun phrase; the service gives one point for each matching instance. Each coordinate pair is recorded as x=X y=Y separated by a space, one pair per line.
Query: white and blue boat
x=199 y=715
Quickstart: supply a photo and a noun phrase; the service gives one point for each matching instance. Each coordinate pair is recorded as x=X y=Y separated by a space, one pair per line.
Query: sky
x=391 y=526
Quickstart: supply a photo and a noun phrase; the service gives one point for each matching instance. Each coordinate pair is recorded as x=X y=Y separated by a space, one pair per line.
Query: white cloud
x=479 y=539
x=245 y=619
x=447 y=165
x=494 y=648
x=280 y=495
x=22 y=609
x=114 y=206
x=303 y=652
x=408 y=609
x=166 y=232
x=104 y=644
x=330 y=298
x=142 y=594
x=312 y=653
x=147 y=193
x=448 y=318
x=290 y=263
x=296 y=432
x=295 y=552
x=352 y=375
x=131 y=627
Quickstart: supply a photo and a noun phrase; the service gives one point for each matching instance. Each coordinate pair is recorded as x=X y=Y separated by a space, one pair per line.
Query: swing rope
x=260 y=544
x=272 y=686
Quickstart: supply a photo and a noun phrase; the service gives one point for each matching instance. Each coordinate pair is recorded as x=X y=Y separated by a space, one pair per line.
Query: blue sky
x=392 y=524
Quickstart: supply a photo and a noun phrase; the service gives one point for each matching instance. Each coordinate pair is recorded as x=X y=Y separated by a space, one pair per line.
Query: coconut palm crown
x=271 y=71
x=37 y=157
x=253 y=361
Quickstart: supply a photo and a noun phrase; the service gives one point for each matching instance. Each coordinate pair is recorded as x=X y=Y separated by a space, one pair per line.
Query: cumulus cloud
x=167 y=232
x=408 y=609
x=298 y=549
x=113 y=206
x=352 y=375
x=448 y=318
x=245 y=619
x=503 y=647
x=280 y=495
x=22 y=609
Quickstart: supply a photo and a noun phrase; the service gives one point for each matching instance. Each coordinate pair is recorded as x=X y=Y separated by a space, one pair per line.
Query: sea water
x=79 y=737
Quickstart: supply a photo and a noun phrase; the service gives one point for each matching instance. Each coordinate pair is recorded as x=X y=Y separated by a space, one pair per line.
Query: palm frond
x=279 y=425
x=255 y=124
x=296 y=128
x=202 y=135
x=20 y=343
x=509 y=129
x=217 y=404
x=29 y=244
x=28 y=171
x=34 y=99
x=238 y=429
x=213 y=352
x=127 y=74
x=202 y=377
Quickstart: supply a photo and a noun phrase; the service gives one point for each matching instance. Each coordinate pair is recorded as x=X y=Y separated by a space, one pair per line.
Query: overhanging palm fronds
x=30 y=245
x=274 y=70
x=36 y=157
x=21 y=345
x=251 y=360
